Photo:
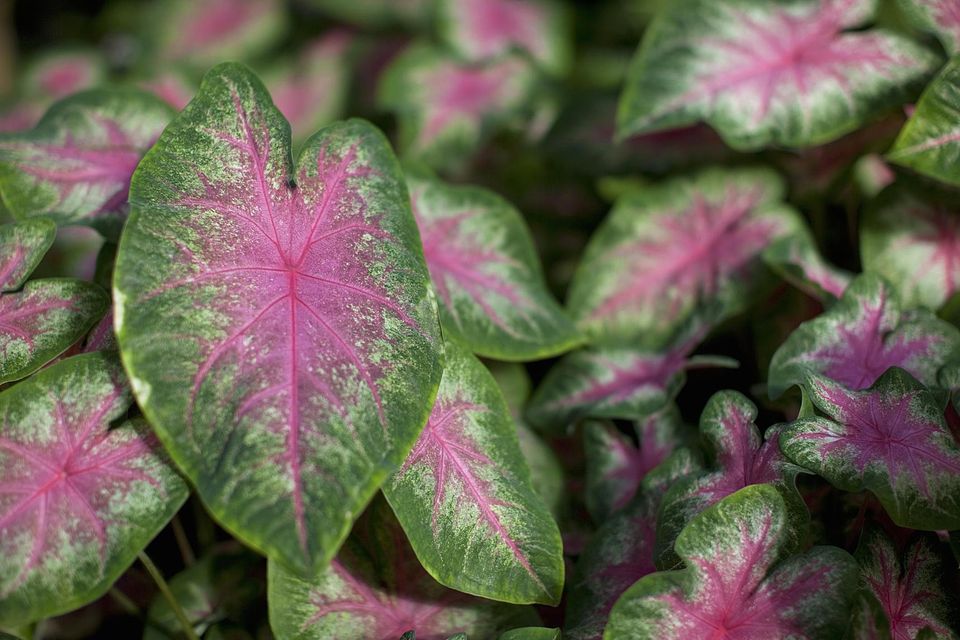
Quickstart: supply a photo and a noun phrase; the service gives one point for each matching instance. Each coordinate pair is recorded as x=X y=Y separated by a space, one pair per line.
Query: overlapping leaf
x=890 y=439
x=22 y=246
x=792 y=72
x=941 y=17
x=862 y=336
x=486 y=273
x=667 y=251
x=799 y=261
x=741 y=580
x=464 y=496
x=78 y=499
x=75 y=166
x=376 y=590
x=276 y=321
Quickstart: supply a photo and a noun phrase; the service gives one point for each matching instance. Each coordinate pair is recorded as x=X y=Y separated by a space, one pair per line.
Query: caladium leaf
x=57 y=74
x=737 y=457
x=890 y=439
x=941 y=17
x=376 y=590
x=75 y=165
x=667 y=251
x=930 y=141
x=914 y=242
x=531 y=633
x=489 y=533
x=789 y=73
x=482 y=29
x=447 y=108
x=860 y=337
x=40 y=322
x=484 y=267
x=906 y=586
x=22 y=246
x=741 y=580
x=276 y=322
x=78 y=499
x=799 y=261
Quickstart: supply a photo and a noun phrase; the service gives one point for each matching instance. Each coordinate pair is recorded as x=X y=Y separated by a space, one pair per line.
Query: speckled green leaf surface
x=75 y=166
x=785 y=72
x=742 y=579
x=667 y=251
x=22 y=246
x=860 y=337
x=276 y=320
x=78 y=498
x=376 y=590
x=464 y=496
x=486 y=272
x=890 y=439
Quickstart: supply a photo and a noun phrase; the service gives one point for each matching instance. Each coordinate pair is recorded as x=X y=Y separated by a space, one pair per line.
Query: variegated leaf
x=22 y=246
x=941 y=17
x=799 y=261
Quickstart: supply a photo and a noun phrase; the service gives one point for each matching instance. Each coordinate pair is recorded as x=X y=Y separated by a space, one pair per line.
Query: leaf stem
x=125 y=602
x=186 y=551
x=168 y=595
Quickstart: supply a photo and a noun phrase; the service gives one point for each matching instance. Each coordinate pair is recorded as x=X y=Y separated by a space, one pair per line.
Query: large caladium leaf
x=941 y=17
x=890 y=439
x=741 y=580
x=930 y=141
x=447 y=108
x=914 y=242
x=762 y=73
x=486 y=273
x=464 y=496
x=276 y=321
x=376 y=590
x=75 y=165
x=483 y=29
x=666 y=251
x=907 y=586
x=78 y=499
x=799 y=261
x=22 y=246
x=862 y=336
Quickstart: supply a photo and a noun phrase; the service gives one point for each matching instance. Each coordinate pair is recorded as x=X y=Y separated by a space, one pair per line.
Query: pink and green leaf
x=55 y=75
x=78 y=498
x=75 y=165
x=741 y=580
x=276 y=318
x=940 y=17
x=668 y=251
x=890 y=439
x=485 y=270
x=799 y=261
x=765 y=73
x=22 y=246
x=861 y=336
x=465 y=500
x=376 y=590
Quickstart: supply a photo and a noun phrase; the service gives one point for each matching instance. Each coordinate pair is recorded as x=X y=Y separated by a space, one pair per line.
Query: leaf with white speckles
x=788 y=73
x=22 y=246
x=464 y=496
x=941 y=17
x=741 y=578
x=78 y=499
x=276 y=319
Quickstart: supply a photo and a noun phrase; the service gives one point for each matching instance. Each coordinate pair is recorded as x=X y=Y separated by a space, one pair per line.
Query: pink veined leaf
x=78 y=499
x=58 y=75
x=202 y=32
x=172 y=87
x=799 y=261
x=101 y=337
x=941 y=17
x=22 y=246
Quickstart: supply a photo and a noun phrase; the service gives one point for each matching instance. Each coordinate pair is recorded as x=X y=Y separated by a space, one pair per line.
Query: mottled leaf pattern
x=78 y=499
x=790 y=73
x=942 y=17
x=464 y=497
x=22 y=246
x=277 y=322
x=799 y=261
x=741 y=580
x=667 y=251
x=75 y=165
x=862 y=336
x=376 y=590
x=486 y=273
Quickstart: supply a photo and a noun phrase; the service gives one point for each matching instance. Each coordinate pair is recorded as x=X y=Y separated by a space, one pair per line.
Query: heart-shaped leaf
x=914 y=242
x=22 y=246
x=940 y=17
x=890 y=439
x=667 y=251
x=482 y=29
x=78 y=499
x=376 y=590
x=741 y=580
x=484 y=267
x=799 y=261
x=860 y=337
x=75 y=165
x=489 y=533
x=768 y=73
x=277 y=322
